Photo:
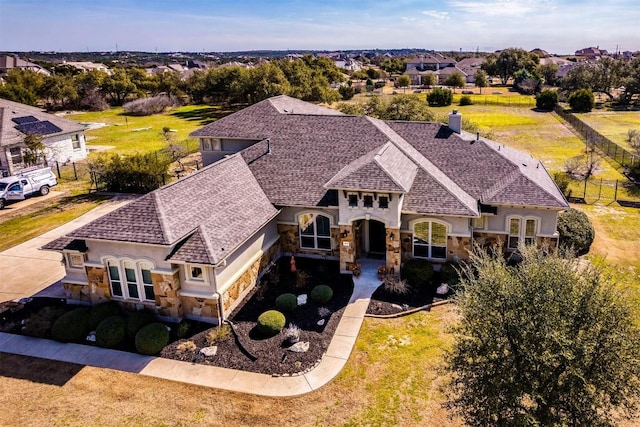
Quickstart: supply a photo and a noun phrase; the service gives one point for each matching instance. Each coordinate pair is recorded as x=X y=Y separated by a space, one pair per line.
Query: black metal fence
x=592 y=190
x=593 y=138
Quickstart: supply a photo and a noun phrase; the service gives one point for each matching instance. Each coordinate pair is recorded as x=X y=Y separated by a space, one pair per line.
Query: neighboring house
x=469 y=67
x=439 y=65
x=10 y=62
x=86 y=66
x=64 y=139
x=286 y=177
x=591 y=52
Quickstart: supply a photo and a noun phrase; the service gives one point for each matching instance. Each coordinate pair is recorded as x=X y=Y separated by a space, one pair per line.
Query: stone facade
x=458 y=247
x=202 y=307
x=486 y=240
x=248 y=279
x=289 y=238
x=393 y=244
x=95 y=291
x=406 y=243
x=166 y=288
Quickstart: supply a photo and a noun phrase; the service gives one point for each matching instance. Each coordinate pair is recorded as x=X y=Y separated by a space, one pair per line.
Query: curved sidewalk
x=211 y=376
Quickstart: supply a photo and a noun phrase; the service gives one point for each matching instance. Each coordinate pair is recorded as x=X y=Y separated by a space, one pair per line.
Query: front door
x=377 y=244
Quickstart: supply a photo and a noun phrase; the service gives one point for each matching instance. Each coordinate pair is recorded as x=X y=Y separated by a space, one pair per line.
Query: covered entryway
x=376 y=247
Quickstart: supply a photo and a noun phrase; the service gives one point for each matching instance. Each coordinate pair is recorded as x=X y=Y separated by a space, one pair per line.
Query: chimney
x=455 y=121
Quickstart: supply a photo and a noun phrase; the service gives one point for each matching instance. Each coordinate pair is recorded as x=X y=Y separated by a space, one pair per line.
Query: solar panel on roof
x=24 y=119
x=38 y=128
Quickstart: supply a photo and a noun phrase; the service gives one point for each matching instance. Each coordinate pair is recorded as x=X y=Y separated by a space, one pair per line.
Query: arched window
x=430 y=240
x=130 y=279
x=315 y=231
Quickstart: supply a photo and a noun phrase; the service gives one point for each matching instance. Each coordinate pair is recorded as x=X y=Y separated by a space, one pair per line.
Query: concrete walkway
x=210 y=376
x=25 y=270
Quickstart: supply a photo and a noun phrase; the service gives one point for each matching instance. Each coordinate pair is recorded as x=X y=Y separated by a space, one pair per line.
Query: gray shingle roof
x=9 y=133
x=384 y=169
x=222 y=205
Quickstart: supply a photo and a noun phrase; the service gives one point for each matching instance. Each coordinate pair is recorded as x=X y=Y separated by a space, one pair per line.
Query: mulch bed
x=386 y=303
x=273 y=358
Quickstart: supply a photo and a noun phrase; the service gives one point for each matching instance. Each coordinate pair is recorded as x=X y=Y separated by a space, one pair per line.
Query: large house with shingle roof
x=63 y=139
x=286 y=177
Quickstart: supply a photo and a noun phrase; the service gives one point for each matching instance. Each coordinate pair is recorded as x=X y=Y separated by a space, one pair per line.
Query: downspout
x=220 y=308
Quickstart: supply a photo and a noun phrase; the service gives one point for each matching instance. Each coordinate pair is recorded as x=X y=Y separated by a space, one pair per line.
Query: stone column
x=347 y=246
x=393 y=250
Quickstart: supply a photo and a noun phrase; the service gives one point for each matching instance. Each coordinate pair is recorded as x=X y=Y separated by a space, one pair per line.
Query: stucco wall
x=457 y=226
x=60 y=148
x=548 y=219
x=390 y=216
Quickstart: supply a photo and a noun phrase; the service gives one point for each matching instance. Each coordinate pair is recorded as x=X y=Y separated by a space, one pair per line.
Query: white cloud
x=436 y=14
x=512 y=8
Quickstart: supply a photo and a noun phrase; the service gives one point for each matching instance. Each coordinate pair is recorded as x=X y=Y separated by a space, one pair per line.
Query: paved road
x=26 y=270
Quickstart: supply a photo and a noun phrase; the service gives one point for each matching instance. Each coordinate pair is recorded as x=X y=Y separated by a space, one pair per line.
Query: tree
x=118 y=86
x=407 y=107
x=582 y=101
x=403 y=81
x=480 y=79
x=548 y=72
x=373 y=73
x=440 y=97
x=527 y=82
x=428 y=80
x=549 y=341
x=455 y=80
x=346 y=92
x=35 y=151
x=546 y=100
x=508 y=61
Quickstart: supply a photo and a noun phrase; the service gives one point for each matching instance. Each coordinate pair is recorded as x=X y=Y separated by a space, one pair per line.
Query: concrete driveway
x=26 y=270
x=13 y=207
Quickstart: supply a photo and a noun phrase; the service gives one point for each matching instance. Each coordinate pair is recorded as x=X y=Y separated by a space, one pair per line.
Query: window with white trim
x=130 y=279
x=353 y=200
x=430 y=240
x=206 y=144
x=315 y=231
x=75 y=260
x=521 y=229
x=75 y=141
x=367 y=201
x=16 y=155
x=196 y=273
x=479 y=222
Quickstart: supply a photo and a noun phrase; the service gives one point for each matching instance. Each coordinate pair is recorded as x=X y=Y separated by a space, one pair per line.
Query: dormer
x=374 y=184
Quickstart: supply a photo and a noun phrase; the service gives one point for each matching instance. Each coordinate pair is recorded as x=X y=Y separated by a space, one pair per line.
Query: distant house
x=11 y=62
x=469 y=67
x=591 y=52
x=64 y=139
x=440 y=66
x=286 y=177
x=85 y=66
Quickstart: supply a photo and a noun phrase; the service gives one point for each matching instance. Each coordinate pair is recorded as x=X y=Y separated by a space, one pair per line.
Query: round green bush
x=575 y=230
x=137 y=320
x=440 y=97
x=287 y=302
x=582 y=101
x=449 y=273
x=71 y=326
x=111 y=331
x=465 y=100
x=102 y=311
x=321 y=294
x=547 y=99
x=152 y=338
x=270 y=323
x=418 y=272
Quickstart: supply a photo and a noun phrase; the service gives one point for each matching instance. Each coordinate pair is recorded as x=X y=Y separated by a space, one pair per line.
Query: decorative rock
x=92 y=336
x=209 y=351
x=320 y=322
x=300 y=347
x=396 y=306
x=443 y=289
x=302 y=299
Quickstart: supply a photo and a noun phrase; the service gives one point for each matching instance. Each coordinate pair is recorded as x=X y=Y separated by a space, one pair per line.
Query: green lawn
x=142 y=134
x=613 y=124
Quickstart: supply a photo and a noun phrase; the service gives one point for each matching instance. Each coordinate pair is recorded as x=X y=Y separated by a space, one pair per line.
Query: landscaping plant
x=321 y=294
x=287 y=302
x=71 y=326
x=270 y=323
x=575 y=230
x=152 y=338
x=111 y=331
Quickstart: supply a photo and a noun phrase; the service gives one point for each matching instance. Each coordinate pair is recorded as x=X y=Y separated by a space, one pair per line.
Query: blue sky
x=558 y=26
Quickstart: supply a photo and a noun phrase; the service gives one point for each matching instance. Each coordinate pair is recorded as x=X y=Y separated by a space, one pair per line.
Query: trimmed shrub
x=465 y=100
x=547 y=99
x=287 y=302
x=111 y=331
x=71 y=326
x=418 y=272
x=440 y=97
x=39 y=324
x=321 y=294
x=102 y=311
x=576 y=231
x=152 y=338
x=270 y=323
x=138 y=320
x=582 y=101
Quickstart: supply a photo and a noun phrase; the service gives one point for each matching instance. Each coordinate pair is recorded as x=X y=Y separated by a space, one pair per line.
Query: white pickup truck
x=27 y=183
